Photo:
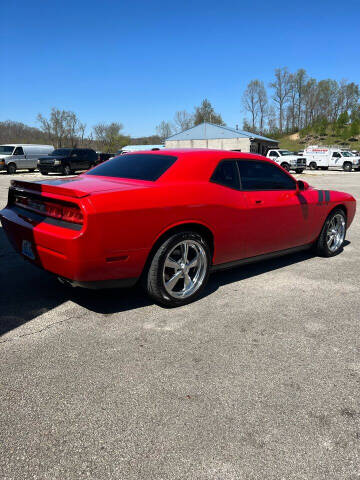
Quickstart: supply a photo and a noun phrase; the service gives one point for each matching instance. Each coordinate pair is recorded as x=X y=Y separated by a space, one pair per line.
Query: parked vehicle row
x=315 y=157
x=124 y=221
x=46 y=159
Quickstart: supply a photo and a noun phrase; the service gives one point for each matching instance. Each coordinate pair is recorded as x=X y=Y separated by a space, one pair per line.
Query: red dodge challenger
x=168 y=218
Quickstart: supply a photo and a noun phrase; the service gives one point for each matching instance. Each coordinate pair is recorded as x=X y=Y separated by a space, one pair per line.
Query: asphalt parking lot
x=259 y=379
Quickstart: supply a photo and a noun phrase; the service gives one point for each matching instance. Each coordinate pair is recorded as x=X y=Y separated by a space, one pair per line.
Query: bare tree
x=164 y=130
x=263 y=105
x=272 y=121
x=183 y=120
x=250 y=101
x=281 y=87
x=82 y=129
x=62 y=127
x=299 y=82
x=109 y=137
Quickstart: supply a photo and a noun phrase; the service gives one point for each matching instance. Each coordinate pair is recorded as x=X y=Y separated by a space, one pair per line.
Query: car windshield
x=7 y=150
x=148 y=167
x=285 y=152
x=61 y=151
x=347 y=154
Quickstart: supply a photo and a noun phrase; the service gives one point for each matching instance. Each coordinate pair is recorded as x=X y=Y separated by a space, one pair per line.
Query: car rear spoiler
x=55 y=187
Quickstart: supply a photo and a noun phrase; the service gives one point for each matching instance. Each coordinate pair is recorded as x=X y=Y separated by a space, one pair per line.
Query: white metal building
x=208 y=135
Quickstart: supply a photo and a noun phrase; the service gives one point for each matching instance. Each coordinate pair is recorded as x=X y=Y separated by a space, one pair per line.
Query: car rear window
x=135 y=166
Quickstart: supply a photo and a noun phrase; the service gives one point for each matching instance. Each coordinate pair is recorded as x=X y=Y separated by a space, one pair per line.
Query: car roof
x=25 y=145
x=196 y=164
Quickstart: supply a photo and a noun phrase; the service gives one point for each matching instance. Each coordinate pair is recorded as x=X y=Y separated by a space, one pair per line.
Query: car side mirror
x=302 y=185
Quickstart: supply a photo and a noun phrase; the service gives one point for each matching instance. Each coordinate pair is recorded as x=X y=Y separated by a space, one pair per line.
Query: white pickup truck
x=287 y=160
x=324 y=157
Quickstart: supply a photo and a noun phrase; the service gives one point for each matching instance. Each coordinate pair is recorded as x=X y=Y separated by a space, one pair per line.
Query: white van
x=324 y=157
x=139 y=148
x=22 y=156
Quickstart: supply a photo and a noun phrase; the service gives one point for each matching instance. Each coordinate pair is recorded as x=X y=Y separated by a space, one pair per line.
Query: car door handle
x=259 y=201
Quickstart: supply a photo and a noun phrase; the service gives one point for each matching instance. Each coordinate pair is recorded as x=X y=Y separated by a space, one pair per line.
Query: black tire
x=286 y=166
x=313 y=166
x=43 y=172
x=66 y=170
x=347 y=167
x=321 y=245
x=11 y=168
x=153 y=275
x=299 y=170
x=31 y=170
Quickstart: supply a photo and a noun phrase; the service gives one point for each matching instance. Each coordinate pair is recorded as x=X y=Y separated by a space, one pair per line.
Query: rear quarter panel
x=134 y=220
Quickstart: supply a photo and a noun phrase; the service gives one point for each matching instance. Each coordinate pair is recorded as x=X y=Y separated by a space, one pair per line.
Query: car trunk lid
x=79 y=187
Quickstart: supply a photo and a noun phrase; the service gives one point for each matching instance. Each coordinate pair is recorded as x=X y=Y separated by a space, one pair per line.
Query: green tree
x=343 y=119
x=354 y=129
x=206 y=113
x=320 y=126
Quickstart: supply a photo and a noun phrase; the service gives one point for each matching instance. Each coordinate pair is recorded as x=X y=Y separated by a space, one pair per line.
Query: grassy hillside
x=295 y=143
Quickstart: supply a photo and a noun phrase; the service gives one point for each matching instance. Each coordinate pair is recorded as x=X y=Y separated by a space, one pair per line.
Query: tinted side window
x=263 y=176
x=18 y=151
x=137 y=166
x=226 y=174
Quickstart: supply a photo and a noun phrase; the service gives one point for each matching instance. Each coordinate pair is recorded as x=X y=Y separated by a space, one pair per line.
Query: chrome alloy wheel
x=184 y=269
x=336 y=232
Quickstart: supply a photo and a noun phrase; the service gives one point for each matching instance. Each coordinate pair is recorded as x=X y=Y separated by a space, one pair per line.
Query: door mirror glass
x=302 y=185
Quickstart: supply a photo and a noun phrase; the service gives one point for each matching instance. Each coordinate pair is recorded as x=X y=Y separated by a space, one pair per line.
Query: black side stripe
x=327 y=196
x=320 y=196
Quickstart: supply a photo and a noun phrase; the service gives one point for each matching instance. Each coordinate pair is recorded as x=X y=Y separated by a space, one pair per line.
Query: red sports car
x=168 y=218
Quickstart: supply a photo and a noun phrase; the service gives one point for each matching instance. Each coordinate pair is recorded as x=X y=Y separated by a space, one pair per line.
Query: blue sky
x=139 y=62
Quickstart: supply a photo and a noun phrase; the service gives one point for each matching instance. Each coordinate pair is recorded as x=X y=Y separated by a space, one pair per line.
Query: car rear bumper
x=70 y=254
x=50 y=168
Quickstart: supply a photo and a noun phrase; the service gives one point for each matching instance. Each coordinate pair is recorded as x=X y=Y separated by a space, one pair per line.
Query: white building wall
x=242 y=144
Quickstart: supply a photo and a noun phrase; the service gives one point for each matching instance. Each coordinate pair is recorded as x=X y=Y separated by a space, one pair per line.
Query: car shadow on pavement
x=113 y=301
x=27 y=291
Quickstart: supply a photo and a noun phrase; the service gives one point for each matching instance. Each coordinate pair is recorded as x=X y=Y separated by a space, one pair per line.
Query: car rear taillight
x=67 y=212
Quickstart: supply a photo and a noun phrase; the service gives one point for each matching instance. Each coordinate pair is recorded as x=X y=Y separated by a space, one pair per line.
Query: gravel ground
x=259 y=379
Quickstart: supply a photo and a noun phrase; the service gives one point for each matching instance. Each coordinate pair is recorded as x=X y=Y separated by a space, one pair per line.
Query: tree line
x=294 y=101
x=63 y=128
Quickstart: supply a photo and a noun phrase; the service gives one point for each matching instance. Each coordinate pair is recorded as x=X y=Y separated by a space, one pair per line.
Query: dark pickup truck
x=67 y=160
